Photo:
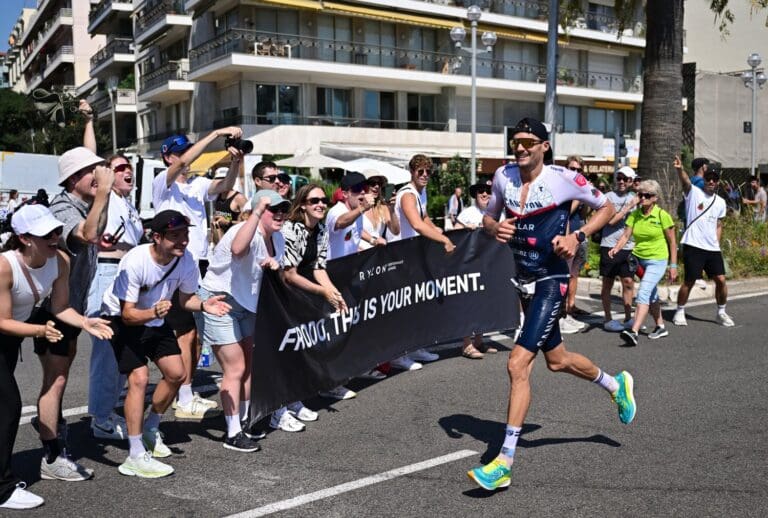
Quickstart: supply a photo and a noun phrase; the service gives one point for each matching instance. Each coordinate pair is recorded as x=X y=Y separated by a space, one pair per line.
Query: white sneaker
x=113 y=428
x=373 y=374
x=341 y=392
x=566 y=328
x=145 y=466
x=193 y=410
x=22 y=499
x=614 y=326
x=64 y=468
x=405 y=363
x=422 y=355
x=301 y=412
x=153 y=442
x=701 y=283
x=576 y=323
x=210 y=403
x=724 y=320
x=283 y=420
x=679 y=318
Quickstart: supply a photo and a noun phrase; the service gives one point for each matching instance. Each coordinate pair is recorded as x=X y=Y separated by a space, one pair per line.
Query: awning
x=606 y=105
x=389 y=16
x=304 y=4
x=207 y=161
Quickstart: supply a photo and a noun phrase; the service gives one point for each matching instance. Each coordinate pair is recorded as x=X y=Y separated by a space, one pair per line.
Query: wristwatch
x=581 y=236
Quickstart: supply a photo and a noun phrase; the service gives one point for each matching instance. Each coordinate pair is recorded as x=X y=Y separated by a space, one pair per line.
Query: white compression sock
x=606 y=381
x=233 y=425
x=511 y=436
x=185 y=394
x=720 y=309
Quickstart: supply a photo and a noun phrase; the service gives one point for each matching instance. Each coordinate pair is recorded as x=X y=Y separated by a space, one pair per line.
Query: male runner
x=537 y=199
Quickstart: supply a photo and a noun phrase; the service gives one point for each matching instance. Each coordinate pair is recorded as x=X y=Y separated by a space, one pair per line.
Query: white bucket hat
x=76 y=159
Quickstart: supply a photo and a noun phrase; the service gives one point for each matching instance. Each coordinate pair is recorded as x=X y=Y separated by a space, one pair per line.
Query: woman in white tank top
x=382 y=218
x=30 y=271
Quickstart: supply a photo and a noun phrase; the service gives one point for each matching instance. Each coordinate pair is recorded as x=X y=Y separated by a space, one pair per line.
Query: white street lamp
x=754 y=79
x=458 y=34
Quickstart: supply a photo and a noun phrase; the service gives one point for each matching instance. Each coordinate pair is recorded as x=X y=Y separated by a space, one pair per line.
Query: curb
x=590 y=287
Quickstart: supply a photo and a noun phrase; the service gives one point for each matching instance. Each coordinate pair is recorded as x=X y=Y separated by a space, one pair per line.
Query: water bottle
x=206 y=357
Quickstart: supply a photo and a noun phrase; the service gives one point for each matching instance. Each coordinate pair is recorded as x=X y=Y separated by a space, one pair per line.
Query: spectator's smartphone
x=389 y=189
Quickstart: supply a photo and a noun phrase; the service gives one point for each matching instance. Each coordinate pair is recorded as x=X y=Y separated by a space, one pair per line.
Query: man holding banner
x=537 y=199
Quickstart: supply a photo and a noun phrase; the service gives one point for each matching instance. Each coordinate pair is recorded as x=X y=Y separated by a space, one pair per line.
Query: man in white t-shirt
x=704 y=213
x=345 y=219
x=178 y=189
x=137 y=302
x=472 y=216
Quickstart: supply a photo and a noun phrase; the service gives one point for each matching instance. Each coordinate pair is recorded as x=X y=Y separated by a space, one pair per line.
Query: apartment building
x=14 y=56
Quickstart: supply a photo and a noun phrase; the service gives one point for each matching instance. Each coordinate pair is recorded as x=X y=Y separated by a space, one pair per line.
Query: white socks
x=233 y=425
x=511 y=436
x=721 y=309
x=606 y=381
x=136 y=446
x=185 y=394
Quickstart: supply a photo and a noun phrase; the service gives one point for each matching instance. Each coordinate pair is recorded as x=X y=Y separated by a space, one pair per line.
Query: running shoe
x=341 y=393
x=210 y=403
x=22 y=499
x=624 y=397
x=724 y=320
x=144 y=466
x=193 y=410
x=373 y=374
x=301 y=412
x=405 y=363
x=283 y=420
x=153 y=442
x=491 y=476
x=422 y=355
x=659 y=332
x=613 y=326
x=575 y=323
x=64 y=468
x=568 y=328
x=679 y=318
x=251 y=431
x=629 y=337
x=113 y=428
x=241 y=442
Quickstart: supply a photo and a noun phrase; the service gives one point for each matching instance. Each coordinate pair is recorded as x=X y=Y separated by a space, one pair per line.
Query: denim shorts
x=654 y=272
x=239 y=323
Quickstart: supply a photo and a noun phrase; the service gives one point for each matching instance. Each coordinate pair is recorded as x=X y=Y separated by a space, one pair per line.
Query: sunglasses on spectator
x=637 y=179
x=315 y=200
x=621 y=178
x=280 y=209
x=55 y=232
x=712 y=179
x=527 y=143
x=271 y=178
x=357 y=189
x=423 y=171
x=119 y=168
x=484 y=190
x=646 y=195
x=577 y=169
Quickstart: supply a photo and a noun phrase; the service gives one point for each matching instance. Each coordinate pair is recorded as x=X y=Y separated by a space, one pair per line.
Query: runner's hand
x=215 y=305
x=52 y=334
x=98 y=327
x=505 y=230
x=565 y=246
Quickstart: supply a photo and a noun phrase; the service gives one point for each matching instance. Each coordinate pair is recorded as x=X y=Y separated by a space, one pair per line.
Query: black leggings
x=10 y=412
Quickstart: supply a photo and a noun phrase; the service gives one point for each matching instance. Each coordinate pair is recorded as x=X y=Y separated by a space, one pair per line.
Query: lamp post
x=754 y=79
x=489 y=40
x=112 y=91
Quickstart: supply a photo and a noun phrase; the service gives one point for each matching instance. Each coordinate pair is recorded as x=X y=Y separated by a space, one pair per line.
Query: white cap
x=221 y=172
x=626 y=171
x=36 y=220
x=76 y=159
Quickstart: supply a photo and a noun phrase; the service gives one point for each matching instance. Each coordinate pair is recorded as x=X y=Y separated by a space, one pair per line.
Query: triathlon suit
x=542 y=276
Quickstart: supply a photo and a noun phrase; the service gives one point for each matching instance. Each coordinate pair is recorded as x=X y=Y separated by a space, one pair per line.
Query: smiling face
x=123 y=175
x=173 y=242
x=314 y=206
x=529 y=150
x=42 y=246
x=273 y=218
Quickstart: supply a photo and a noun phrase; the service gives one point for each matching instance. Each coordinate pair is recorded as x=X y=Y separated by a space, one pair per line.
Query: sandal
x=470 y=352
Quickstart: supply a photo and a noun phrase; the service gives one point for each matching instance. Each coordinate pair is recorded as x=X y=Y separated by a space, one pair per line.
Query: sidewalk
x=590 y=287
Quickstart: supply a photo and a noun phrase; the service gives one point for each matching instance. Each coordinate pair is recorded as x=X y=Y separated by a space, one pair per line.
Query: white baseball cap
x=221 y=172
x=76 y=159
x=36 y=220
x=626 y=171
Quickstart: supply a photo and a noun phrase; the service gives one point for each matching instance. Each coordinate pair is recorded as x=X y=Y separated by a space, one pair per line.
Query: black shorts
x=616 y=266
x=60 y=348
x=697 y=261
x=180 y=320
x=134 y=346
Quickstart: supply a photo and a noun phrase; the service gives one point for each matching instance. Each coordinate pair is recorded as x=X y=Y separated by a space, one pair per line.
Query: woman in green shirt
x=653 y=232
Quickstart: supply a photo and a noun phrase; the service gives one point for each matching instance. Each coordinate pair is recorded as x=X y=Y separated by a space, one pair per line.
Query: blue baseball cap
x=175 y=144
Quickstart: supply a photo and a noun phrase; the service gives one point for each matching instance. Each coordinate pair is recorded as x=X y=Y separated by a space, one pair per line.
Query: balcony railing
x=62 y=51
x=124 y=96
x=286 y=46
x=154 y=13
x=171 y=71
x=102 y=7
x=46 y=31
x=325 y=120
x=116 y=46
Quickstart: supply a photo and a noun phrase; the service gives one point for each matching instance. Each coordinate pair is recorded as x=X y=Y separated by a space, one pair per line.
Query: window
x=380 y=38
x=379 y=109
x=601 y=17
x=333 y=104
x=335 y=32
x=603 y=121
x=277 y=104
x=421 y=111
x=568 y=116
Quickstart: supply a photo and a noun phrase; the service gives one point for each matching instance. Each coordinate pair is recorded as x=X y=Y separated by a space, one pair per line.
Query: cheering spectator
x=226 y=209
x=265 y=175
x=30 y=271
x=381 y=219
x=700 y=167
x=653 y=231
x=758 y=199
x=455 y=206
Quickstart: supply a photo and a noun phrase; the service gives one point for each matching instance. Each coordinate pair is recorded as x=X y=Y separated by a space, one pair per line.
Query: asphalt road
x=698 y=446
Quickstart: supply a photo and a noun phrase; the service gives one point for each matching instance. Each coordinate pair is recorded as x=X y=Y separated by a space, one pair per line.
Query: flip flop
x=472 y=353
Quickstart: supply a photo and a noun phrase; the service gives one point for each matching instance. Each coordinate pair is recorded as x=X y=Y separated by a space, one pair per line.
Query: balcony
x=65 y=54
x=212 y=60
x=125 y=101
x=118 y=52
x=168 y=83
x=101 y=19
x=295 y=119
x=61 y=19
x=166 y=15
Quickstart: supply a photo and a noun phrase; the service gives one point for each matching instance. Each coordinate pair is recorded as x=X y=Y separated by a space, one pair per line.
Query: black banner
x=401 y=297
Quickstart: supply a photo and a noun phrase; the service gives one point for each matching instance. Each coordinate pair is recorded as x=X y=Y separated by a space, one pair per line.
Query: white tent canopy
x=312 y=160
x=370 y=167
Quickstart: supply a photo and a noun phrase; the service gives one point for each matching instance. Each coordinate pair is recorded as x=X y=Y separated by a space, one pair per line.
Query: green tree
x=20 y=120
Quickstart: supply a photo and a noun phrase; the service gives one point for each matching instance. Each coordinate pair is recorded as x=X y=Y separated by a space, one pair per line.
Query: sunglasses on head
x=314 y=200
x=119 y=168
x=577 y=169
x=646 y=195
x=177 y=141
x=527 y=143
x=283 y=178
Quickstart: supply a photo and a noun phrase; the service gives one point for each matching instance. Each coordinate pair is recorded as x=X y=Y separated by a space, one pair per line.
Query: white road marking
x=351 y=486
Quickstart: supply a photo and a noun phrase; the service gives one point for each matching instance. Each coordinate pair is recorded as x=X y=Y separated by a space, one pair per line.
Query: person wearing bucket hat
x=226 y=209
x=82 y=207
x=178 y=188
x=32 y=269
x=537 y=200
x=236 y=269
x=137 y=303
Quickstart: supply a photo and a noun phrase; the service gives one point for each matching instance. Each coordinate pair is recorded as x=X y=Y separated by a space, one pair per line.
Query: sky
x=9 y=13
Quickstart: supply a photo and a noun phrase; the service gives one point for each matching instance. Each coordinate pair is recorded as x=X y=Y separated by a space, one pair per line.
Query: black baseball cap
x=169 y=220
x=351 y=179
x=535 y=127
x=698 y=162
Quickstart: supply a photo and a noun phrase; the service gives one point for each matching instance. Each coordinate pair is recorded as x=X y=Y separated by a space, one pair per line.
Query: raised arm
x=242 y=242
x=228 y=182
x=92 y=227
x=196 y=150
x=682 y=175
x=89 y=135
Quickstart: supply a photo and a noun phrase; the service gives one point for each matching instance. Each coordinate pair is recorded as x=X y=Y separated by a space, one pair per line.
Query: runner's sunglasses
x=527 y=143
